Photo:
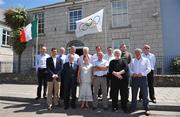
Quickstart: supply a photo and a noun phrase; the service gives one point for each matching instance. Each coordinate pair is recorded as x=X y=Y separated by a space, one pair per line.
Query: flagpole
x=105 y=28
x=37 y=40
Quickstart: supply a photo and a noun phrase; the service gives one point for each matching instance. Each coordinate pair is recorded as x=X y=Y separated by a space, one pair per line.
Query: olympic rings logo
x=91 y=23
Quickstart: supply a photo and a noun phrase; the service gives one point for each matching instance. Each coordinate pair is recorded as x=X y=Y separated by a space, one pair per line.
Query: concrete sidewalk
x=18 y=100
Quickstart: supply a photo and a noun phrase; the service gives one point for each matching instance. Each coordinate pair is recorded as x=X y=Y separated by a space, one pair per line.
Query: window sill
x=70 y=32
x=41 y=34
x=6 y=46
x=121 y=27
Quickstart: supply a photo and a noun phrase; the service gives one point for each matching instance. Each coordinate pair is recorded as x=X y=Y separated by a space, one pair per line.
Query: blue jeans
x=142 y=84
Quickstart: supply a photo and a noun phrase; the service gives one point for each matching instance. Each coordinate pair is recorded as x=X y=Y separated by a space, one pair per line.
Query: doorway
x=78 y=44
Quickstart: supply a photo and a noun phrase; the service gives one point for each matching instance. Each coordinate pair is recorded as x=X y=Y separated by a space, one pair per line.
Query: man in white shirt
x=76 y=56
x=85 y=52
x=139 y=68
x=109 y=56
x=62 y=54
x=42 y=72
x=99 y=80
x=150 y=77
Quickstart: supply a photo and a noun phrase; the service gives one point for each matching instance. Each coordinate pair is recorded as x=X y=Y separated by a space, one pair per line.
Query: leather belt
x=100 y=76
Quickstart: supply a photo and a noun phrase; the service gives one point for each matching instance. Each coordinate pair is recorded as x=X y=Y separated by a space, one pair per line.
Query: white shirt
x=151 y=58
x=63 y=58
x=142 y=66
x=108 y=58
x=94 y=58
x=100 y=64
x=54 y=60
x=41 y=60
x=81 y=61
x=76 y=58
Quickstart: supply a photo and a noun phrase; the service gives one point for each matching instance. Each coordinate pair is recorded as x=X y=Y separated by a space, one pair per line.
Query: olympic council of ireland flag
x=89 y=25
x=29 y=32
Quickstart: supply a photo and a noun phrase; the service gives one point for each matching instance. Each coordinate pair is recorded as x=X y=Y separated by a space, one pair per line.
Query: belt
x=100 y=76
x=41 y=68
x=139 y=77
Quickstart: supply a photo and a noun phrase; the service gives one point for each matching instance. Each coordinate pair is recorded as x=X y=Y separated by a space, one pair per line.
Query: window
x=74 y=15
x=119 y=13
x=34 y=54
x=40 y=17
x=117 y=42
x=6 y=38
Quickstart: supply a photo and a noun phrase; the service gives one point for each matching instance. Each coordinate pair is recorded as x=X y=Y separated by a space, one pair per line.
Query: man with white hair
x=85 y=52
x=139 y=68
x=118 y=72
x=62 y=54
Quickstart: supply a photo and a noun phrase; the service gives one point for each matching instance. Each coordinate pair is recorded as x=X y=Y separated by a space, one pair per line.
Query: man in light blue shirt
x=76 y=56
x=41 y=69
x=99 y=80
x=150 y=77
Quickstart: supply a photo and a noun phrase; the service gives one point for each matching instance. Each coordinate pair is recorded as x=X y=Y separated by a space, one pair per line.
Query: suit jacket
x=69 y=75
x=51 y=68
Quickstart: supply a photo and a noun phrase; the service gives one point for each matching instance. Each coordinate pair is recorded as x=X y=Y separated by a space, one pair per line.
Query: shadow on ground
x=19 y=104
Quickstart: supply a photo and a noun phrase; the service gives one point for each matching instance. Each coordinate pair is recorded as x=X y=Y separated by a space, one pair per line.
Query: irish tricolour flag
x=29 y=32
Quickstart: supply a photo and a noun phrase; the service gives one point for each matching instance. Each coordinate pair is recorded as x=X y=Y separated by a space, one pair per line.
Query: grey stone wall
x=143 y=28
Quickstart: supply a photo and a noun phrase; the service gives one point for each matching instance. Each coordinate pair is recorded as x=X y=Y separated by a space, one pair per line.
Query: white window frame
x=6 y=37
x=122 y=14
x=41 y=24
x=72 y=10
x=121 y=41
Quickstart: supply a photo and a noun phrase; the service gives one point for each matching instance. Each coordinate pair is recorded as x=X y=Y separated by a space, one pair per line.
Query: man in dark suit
x=54 y=68
x=69 y=73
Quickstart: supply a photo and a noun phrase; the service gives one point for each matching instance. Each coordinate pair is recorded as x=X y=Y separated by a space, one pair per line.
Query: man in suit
x=69 y=73
x=54 y=67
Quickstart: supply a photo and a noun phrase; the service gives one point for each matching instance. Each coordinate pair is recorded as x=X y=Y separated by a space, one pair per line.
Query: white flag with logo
x=89 y=25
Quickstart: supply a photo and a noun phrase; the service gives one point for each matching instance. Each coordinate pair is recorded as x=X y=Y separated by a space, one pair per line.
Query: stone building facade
x=133 y=22
x=6 y=53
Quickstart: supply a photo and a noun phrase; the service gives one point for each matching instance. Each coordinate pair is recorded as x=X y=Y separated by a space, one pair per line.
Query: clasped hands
x=117 y=74
x=55 y=76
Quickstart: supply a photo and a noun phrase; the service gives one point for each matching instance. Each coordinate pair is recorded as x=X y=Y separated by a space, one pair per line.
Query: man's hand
x=139 y=75
x=135 y=75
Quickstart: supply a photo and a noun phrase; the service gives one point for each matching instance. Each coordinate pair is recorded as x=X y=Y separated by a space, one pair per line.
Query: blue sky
x=26 y=3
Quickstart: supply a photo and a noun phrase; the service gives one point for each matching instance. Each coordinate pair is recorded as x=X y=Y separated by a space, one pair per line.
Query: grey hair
x=138 y=50
x=117 y=51
x=86 y=48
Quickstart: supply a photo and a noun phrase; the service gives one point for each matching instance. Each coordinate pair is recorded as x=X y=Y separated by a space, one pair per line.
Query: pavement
x=18 y=101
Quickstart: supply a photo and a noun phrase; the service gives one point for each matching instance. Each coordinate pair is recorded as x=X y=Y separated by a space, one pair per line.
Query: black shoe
x=140 y=99
x=154 y=101
x=114 y=109
x=105 y=108
x=147 y=112
x=37 y=98
x=66 y=107
x=73 y=106
x=125 y=110
x=45 y=97
x=94 y=108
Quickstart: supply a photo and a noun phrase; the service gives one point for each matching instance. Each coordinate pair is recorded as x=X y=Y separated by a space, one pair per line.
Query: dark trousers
x=122 y=85
x=150 y=79
x=62 y=88
x=108 y=86
x=69 y=90
x=42 y=81
x=142 y=84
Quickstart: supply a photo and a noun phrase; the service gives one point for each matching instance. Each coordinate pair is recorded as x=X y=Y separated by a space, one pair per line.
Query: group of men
x=58 y=73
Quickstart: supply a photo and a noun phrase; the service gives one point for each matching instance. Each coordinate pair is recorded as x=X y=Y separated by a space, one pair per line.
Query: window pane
x=119 y=13
x=4 y=39
x=40 y=17
x=74 y=16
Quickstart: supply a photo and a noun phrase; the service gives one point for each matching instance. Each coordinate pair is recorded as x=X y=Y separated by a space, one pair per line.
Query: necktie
x=71 y=66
